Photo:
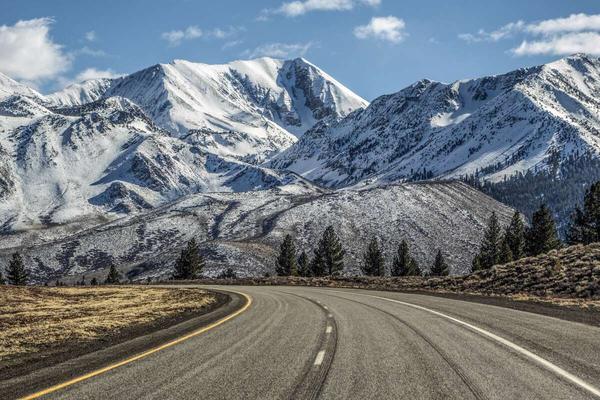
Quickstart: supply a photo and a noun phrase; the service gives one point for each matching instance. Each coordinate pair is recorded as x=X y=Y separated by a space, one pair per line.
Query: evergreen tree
x=489 y=253
x=16 y=273
x=476 y=263
x=585 y=224
x=286 y=261
x=373 y=262
x=94 y=282
x=2 y=280
x=403 y=264
x=113 y=277
x=190 y=263
x=515 y=237
x=577 y=230
x=329 y=254
x=505 y=255
x=541 y=237
x=439 y=268
x=303 y=265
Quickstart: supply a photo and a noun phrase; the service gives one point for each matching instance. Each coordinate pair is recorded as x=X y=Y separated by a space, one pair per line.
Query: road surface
x=298 y=342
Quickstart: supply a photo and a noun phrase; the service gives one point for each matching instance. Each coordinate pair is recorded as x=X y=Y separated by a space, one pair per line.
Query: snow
x=502 y=124
x=245 y=229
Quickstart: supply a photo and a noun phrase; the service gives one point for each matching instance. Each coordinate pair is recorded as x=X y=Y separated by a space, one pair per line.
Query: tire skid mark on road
x=311 y=382
x=476 y=391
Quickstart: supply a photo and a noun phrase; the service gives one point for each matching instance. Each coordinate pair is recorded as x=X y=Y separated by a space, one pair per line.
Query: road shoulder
x=31 y=378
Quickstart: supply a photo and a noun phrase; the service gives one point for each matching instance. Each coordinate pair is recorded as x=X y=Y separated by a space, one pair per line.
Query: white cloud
x=90 y=36
x=572 y=23
x=502 y=33
x=298 y=7
x=85 y=75
x=388 y=28
x=577 y=33
x=278 y=50
x=91 y=52
x=231 y=43
x=175 y=37
x=28 y=52
x=570 y=43
x=93 y=73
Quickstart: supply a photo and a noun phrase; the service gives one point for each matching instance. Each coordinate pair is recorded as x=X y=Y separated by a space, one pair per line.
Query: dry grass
x=34 y=320
x=567 y=277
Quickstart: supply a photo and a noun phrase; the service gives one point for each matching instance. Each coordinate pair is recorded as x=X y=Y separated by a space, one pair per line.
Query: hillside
x=260 y=105
x=103 y=159
x=244 y=230
x=496 y=126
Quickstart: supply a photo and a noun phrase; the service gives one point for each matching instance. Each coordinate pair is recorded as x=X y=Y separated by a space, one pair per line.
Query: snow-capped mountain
x=527 y=120
x=244 y=230
x=64 y=164
x=111 y=146
x=10 y=87
x=79 y=93
x=252 y=109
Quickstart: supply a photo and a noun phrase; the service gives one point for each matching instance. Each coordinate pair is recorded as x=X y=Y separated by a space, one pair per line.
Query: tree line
x=498 y=246
x=328 y=259
x=518 y=241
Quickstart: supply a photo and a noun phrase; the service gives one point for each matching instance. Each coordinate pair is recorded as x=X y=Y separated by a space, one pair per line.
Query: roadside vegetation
x=40 y=321
x=500 y=246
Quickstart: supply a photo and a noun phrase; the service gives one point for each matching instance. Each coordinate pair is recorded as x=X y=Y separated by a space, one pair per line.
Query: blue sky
x=372 y=46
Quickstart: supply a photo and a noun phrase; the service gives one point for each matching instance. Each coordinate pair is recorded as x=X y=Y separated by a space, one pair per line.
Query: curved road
x=299 y=342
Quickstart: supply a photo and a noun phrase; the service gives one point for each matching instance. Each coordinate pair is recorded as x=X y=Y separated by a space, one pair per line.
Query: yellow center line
x=143 y=354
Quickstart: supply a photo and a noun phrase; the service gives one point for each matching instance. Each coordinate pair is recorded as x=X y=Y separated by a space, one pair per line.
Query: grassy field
x=42 y=320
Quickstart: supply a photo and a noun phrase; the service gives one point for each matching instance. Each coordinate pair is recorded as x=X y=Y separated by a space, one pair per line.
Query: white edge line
x=542 y=361
x=320 y=357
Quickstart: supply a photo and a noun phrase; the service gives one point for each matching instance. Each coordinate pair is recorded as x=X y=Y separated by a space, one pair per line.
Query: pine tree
x=2 y=280
x=505 y=255
x=489 y=253
x=303 y=265
x=190 y=263
x=113 y=277
x=286 y=261
x=373 y=262
x=476 y=263
x=577 y=230
x=329 y=254
x=413 y=268
x=515 y=237
x=94 y=282
x=16 y=274
x=541 y=237
x=585 y=224
x=403 y=264
x=439 y=268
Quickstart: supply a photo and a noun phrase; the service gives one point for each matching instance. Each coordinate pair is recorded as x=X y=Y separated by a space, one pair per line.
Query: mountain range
x=104 y=151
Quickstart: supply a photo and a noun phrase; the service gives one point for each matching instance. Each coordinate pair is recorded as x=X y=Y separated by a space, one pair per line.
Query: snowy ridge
x=103 y=158
x=108 y=147
x=491 y=127
x=265 y=102
x=244 y=230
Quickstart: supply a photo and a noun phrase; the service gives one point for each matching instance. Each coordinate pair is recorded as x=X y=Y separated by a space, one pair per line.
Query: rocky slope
x=260 y=105
x=244 y=230
x=531 y=119
x=109 y=147
x=100 y=159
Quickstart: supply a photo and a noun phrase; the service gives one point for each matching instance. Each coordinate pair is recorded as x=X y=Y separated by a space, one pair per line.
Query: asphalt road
x=295 y=342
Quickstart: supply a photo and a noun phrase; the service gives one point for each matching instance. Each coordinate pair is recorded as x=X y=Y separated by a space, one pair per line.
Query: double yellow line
x=144 y=354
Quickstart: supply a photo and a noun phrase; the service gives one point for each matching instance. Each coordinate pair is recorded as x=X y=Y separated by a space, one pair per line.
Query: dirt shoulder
x=41 y=327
